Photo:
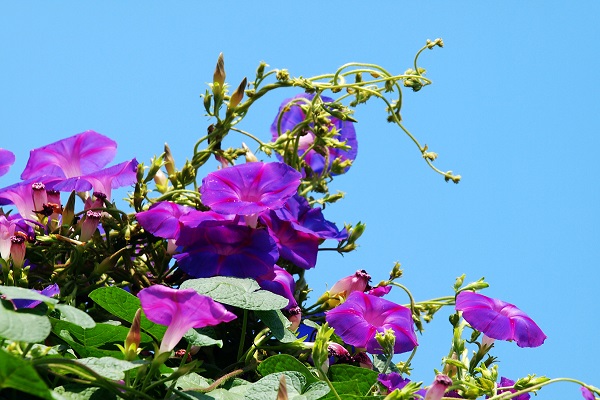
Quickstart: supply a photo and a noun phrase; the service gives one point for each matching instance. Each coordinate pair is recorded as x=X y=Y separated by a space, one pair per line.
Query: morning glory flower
x=227 y=250
x=362 y=316
x=505 y=382
x=21 y=195
x=294 y=115
x=77 y=155
x=50 y=291
x=499 y=320
x=309 y=219
x=394 y=380
x=7 y=158
x=250 y=188
x=587 y=393
x=162 y=219
x=438 y=387
x=180 y=310
x=280 y=282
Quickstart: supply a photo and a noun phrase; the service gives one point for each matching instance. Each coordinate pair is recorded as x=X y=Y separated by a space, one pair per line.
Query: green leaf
x=379 y=362
x=196 y=337
x=242 y=293
x=83 y=392
x=192 y=381
x=267 y=387
x=19 y=374
x=108 y=367
x=345 y=389
x=75 y=316
x=97 y=336
x=124 y=305
x=363 y=376
x=278 y=325
x=13 y=292
x=218 y=394
x=22 y=325
x=285 y=362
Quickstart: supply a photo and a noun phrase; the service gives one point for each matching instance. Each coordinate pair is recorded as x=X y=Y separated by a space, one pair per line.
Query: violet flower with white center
x=78 y=155
x=50 y=291
x=293 y=115
x=298 y=247
x=499 y=320
x=362 y=316
x=180 y=310
x=249 y=189
x=438 y=387
x=227 y=250
x=7 y=158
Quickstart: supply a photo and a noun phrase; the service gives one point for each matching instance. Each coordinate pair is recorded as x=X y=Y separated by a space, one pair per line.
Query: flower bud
x=169 y=161
x=250 y=157
x=89 y=225
x=132 y=341
x=219 y=74
x=237 y=95
x=386 y=340
x=17 y=251
x=161 y=181
x=40 y=197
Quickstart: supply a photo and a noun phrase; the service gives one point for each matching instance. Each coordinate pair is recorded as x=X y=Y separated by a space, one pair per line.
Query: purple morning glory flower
x=294 y=115
x=250 y=188
x=7 y=158
x=280 y=282
x=227 y=250
x=103 y=181
x=505 y=382
x=162 y=219
x=180 y=310
x=50 y=291
x=361 y=316
x=22 y=197
x=77 y=155
x=499 y=320
x=394 y=380
x=307 y=219
x=587 y=393
x=296 y=246
x=438 y=387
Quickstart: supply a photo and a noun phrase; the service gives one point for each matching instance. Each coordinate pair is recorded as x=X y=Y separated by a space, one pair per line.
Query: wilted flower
x=358 y=319
x=499 y=320
x=180 y=310
x=250 y=188
x=438 y=387
x=294 y=115
x=280 y=282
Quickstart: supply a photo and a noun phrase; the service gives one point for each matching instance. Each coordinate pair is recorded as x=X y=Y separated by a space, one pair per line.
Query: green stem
x=243 y=336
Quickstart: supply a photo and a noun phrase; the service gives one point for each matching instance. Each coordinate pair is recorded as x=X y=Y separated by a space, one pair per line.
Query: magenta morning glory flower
x=499 y=320
x=77 y=155
x=227 y=250
x=294 y=115
x=280 y=282
x=7 y=158
x=162 y=219
x=361 y=316
x=587 y=393
x=180 y=310
x=250 y=188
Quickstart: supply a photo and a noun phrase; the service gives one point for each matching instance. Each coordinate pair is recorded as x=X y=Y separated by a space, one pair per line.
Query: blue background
x=513 y=109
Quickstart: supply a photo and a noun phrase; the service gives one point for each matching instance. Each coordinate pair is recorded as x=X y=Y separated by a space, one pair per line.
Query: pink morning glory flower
x=499 y=320
x=438 y=388
x=250 y=188
x=180 y=310
x=361 y=316
x=77 y=155
x=226 y=250
x=21 y=195
x=7 y=158
x=294 y=115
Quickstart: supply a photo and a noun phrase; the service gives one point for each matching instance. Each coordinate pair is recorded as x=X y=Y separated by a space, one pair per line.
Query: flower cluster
x=205 y=279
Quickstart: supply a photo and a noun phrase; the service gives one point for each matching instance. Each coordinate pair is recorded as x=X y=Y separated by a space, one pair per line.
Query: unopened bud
x=250 y=157
x=219 y=74
x=161 y=181
x=238 y=95
x=169 y=161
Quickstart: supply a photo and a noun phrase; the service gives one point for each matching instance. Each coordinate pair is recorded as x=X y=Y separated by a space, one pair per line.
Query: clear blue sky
x=513 y=109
